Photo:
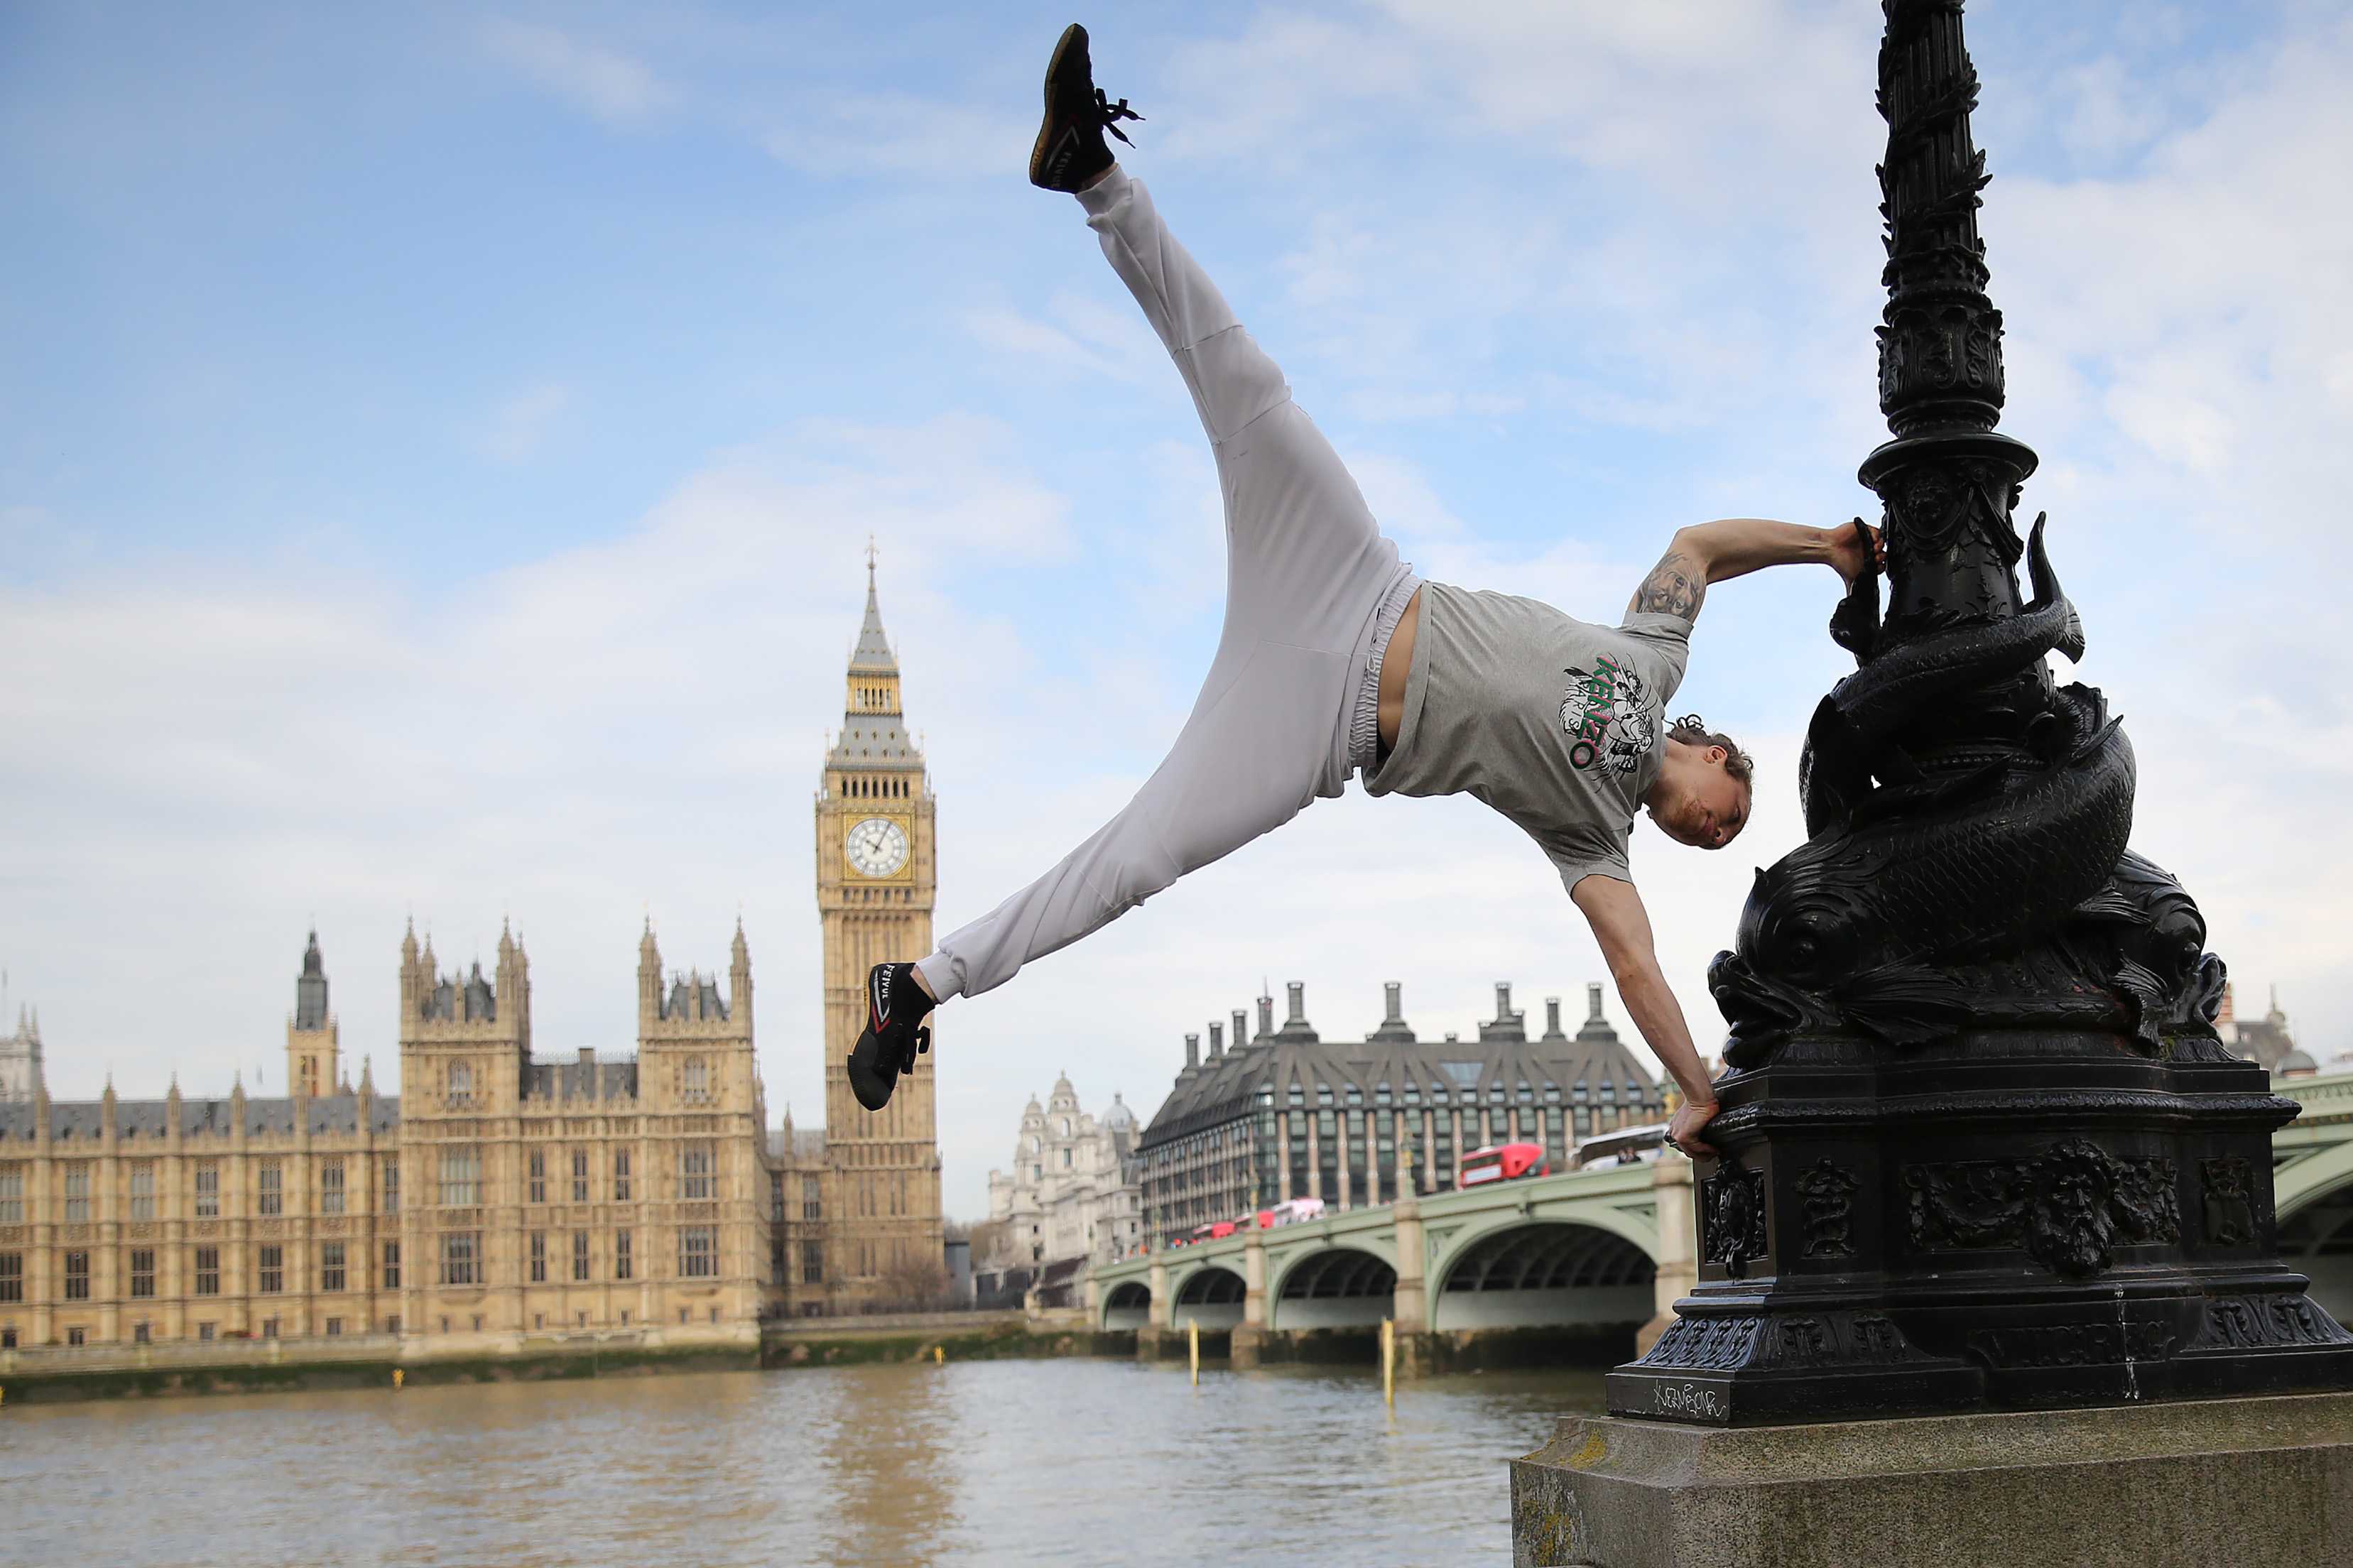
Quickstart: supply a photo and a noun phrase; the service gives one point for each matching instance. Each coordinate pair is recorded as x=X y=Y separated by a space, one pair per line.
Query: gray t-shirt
x=1557 y=724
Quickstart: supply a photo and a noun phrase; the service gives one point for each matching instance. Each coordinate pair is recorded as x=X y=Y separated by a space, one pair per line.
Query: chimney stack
x=1503 y=1001
x=1241 y=1028
x=1392 y=997
x=1265 y=1014
x=1192 y=1053
x=1552 y=1016
x=1593 y=1002
x=1298 y=991
x=1216 y=1041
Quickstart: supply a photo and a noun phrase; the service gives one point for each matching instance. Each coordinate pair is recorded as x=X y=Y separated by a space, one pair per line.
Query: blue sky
x=438 y=445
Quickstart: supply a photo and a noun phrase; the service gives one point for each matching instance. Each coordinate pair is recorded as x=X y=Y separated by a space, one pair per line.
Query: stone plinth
x=2261 y=1480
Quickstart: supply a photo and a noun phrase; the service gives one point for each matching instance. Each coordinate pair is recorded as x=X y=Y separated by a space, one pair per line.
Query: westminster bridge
x=1593 y=1252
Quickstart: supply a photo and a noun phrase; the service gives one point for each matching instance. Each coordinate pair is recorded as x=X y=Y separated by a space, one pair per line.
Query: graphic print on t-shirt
x=1610 y=718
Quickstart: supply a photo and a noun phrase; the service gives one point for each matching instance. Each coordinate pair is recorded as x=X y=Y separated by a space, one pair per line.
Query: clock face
x=876 y=847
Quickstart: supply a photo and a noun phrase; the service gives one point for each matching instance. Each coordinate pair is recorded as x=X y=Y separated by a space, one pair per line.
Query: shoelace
x=1111 y=114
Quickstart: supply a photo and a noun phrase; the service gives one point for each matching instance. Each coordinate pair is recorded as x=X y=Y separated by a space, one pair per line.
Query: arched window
x=1066 y=1127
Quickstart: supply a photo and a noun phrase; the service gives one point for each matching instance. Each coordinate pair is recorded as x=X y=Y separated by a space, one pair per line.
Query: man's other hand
x=1856 y=546
x=1684 y=1131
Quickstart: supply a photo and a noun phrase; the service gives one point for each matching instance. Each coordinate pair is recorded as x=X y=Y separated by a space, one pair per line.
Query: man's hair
x=1692 y=730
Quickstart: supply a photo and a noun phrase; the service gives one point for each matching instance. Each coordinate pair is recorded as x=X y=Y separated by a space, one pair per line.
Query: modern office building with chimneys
x=1285 y=1113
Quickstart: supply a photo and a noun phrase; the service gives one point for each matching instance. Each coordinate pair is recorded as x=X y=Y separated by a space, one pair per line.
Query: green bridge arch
x=2312 y=1186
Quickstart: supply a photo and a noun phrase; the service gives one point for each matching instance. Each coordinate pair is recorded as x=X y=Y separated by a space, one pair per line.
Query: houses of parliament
x=501 y=1195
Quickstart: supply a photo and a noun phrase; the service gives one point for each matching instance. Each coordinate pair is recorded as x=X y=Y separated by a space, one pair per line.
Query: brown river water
x=1038 y=1462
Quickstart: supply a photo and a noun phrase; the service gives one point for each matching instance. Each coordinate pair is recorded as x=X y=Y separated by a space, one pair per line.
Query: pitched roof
x=83 y=1120
x=872 y=654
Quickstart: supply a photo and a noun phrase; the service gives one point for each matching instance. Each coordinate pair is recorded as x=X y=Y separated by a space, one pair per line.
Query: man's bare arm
x=1735 y=546
x=1677 y=586
x=1622 y=926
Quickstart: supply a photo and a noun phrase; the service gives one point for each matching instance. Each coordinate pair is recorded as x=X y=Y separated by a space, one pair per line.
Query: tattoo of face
x=1676 y=586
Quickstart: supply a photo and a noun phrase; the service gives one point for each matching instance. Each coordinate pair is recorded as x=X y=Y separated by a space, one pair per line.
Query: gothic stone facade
x=499 y=1197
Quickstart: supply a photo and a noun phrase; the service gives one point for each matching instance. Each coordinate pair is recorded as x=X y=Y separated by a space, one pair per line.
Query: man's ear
x=1718 y=756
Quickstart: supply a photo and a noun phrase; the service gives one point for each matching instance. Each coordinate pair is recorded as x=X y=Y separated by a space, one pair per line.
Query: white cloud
x=612 y=86
x=519 y=428
x=838 y=134
x=213 y=759
x=1639 y=239
x=1083 y=340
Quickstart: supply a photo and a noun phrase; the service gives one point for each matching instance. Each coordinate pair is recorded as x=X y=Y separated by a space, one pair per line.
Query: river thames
x=1073 y=1461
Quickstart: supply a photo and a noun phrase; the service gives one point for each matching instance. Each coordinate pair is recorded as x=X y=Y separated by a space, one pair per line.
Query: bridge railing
x=1436 y=1207
x=2325 y=1098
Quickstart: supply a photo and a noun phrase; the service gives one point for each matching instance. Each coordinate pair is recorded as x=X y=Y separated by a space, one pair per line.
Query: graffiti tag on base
x=1687 y=1400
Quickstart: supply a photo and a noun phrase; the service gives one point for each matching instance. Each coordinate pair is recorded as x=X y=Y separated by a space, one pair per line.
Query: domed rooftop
x=1118 y=1114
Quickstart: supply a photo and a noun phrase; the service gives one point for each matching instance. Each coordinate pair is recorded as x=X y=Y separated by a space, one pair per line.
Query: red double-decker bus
x=1501 y=1163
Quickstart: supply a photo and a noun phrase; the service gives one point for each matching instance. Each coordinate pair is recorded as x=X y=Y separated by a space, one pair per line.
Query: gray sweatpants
x=1306 y=572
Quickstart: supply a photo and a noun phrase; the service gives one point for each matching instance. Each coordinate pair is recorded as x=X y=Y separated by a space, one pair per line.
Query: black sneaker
x=895 y=1033
x=1071 y=150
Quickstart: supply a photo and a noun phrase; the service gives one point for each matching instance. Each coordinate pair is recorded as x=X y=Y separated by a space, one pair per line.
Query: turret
x=649 y=978
x=313 y=1040
x=694 y=1044
x=465 y=1036
x=873 y=758
x=738 y=978
x=514 y=988
x=20 y=1057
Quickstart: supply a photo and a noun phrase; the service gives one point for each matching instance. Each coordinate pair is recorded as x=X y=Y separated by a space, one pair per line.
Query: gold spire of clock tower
x=876 y=866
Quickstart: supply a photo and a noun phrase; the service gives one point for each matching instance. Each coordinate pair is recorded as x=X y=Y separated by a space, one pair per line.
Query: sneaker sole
x=1039 y=148
x=850 y=1067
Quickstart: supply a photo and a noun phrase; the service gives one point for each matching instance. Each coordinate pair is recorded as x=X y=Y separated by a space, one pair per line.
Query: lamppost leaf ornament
x=1981 y=1144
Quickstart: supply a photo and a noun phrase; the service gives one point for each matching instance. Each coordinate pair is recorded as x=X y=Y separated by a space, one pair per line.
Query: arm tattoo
x=1677 y=586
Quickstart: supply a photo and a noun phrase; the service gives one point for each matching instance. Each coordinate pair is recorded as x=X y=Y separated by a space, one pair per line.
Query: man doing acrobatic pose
x=1336 y=658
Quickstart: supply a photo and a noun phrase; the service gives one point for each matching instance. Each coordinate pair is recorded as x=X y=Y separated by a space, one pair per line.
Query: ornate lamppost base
x=2021 y=1220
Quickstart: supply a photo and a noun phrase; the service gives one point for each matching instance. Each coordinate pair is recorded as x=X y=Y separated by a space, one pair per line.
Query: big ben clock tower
x=876 y=872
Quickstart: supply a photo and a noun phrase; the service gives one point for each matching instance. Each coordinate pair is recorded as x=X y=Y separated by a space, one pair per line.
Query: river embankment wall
x=937 y=1336
x=52 y=1374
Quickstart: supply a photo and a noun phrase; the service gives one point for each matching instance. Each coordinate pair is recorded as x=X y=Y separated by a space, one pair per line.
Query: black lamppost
x=1981 y=1146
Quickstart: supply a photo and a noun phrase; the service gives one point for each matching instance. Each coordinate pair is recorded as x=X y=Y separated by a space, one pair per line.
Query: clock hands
x=876 y=846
